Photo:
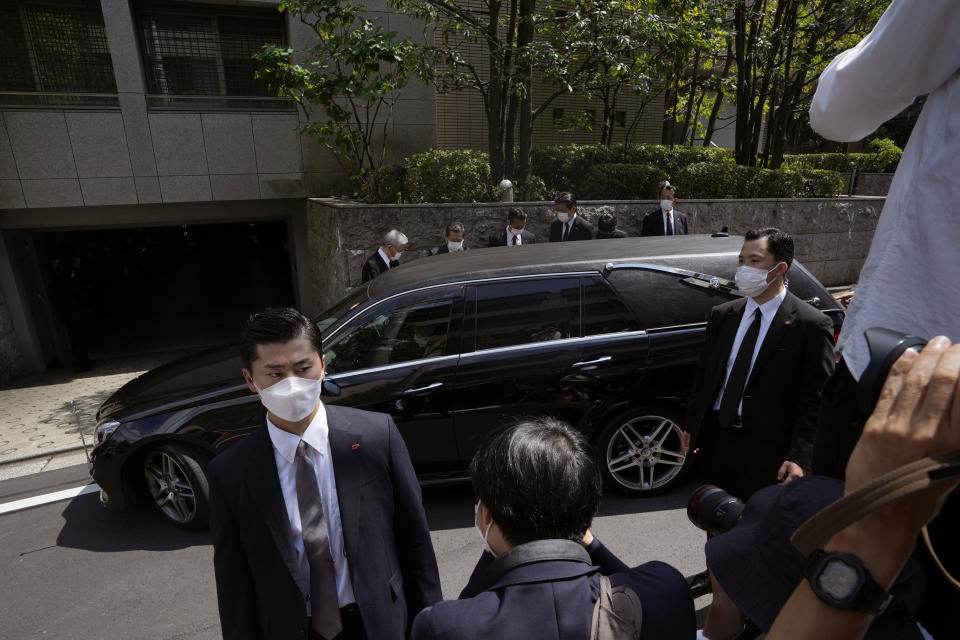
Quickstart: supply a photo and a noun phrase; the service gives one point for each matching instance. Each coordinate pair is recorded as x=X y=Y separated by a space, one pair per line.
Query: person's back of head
x=394 y=238
x=539 y=480
x=607 y=224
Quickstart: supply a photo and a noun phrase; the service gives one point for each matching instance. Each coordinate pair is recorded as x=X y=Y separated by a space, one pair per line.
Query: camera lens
x=714 y=510
x=885 y=347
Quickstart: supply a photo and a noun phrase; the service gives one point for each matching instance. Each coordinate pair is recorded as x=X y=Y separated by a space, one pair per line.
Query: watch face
x=838 y=579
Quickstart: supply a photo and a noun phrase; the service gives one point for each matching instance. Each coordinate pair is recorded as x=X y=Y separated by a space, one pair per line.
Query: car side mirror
x=329 y=388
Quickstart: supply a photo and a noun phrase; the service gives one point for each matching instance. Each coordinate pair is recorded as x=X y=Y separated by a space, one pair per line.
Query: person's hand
x=845 y=298
x=684 y=441
x=789 y=471
x=916 y=416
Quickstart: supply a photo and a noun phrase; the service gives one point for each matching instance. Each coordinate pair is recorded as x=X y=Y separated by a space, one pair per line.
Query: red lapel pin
x=355 y=446
x=787 y=322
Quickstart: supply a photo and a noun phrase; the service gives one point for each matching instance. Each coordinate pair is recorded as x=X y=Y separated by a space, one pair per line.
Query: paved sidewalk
x=43 y=415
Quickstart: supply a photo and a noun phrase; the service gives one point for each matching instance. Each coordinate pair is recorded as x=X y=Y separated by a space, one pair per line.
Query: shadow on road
x=90 y=527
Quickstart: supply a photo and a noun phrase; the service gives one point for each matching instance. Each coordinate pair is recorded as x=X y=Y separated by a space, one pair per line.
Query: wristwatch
x=840 y=580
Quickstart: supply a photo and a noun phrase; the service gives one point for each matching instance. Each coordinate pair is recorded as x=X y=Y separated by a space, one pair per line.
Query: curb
x=46 y=453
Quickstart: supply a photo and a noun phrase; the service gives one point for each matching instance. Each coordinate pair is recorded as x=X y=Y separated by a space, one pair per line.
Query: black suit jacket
x=652 y=224
x=374 y=266
x=392 y=565
x=581 y=230
x=500 y=239
x=555 y=599
x=782 y=396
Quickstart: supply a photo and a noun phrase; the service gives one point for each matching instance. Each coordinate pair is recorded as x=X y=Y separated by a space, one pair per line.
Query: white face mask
x=454 y=246
x=292 y=399
x=752 y=281
x=483 y=534
x=666 y=205
x=397 y=255
x=563 y=216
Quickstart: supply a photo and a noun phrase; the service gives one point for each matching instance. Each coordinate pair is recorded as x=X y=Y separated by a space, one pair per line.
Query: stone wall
x=832 y=234
x=872 y=184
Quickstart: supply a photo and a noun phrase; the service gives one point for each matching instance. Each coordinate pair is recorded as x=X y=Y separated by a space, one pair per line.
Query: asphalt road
x=73 y=570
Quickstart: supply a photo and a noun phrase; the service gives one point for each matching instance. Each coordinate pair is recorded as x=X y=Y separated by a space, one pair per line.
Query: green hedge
x=447 y=176
x=621 y=182
x=563 y=167
x=670 y=159
x=822 y=184
x=883 y=158
x=382 y=187
x=708 y=180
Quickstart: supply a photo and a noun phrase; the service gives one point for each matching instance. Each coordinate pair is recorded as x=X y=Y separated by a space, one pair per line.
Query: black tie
x=514 y=239
x=324 y=606
x=566 y=231
x=669 y=224
x=730 y=403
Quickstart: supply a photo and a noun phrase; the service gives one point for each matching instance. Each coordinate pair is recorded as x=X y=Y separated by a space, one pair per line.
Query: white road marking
x=47 y=498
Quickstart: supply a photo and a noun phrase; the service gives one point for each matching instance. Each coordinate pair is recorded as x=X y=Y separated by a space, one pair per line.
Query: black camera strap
x=896 y=484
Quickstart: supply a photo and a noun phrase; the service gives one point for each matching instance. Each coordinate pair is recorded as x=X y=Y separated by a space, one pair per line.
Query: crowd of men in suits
x=568 y=226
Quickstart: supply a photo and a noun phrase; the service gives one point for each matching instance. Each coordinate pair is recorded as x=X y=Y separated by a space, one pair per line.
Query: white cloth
x=384 y=257
x=285 y=453
x=767 y=310
x=911 y=279
x=510 y=237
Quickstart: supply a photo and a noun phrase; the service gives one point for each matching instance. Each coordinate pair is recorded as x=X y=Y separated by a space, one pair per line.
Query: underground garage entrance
x=118 y=292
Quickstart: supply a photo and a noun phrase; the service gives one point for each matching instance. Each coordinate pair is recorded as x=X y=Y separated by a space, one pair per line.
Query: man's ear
x=248 y=378
x=484 y=517
x=323 y=366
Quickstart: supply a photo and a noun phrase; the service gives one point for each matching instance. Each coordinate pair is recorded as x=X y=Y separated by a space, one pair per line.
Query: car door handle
x=429 y=387
x=592 y=364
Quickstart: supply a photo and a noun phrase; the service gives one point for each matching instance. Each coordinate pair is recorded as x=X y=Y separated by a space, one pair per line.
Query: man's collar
x=314 y=435
x=384 y=256
x=769 y=307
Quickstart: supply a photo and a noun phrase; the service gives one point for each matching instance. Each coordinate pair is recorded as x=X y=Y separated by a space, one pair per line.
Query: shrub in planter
x=621 y=182
x=885 y=156
x=448 y=176
x=821 y=161
x=771 y=183
x=562 y=167
x=707 y=180
x=532 y=189
x=670 y=159
x=381 y=186
x=822 y=184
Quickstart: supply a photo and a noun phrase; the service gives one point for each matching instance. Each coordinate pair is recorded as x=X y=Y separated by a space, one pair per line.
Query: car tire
x=640 y=451
x=176 y=481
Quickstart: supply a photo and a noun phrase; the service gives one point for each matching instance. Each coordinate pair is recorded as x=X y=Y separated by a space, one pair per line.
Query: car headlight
x=105 y=429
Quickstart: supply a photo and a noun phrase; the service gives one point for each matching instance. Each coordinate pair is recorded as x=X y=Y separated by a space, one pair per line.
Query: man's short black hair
x=453 y=227
x=665 y=184
x=276 y=324
x=539 y=480
x=607 y=223
x=779 y=243
x=566 y=198
x=516 y=213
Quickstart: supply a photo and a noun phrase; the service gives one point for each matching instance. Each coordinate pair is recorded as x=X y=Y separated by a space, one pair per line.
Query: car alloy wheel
x=178 y=485
x=642 y=453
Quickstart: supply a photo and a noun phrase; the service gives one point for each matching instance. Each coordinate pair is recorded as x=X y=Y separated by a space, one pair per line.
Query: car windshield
x=326 y=319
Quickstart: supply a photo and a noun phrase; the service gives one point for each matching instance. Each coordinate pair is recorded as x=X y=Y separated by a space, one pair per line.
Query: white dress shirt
x=669 y=222
x=910 y=280
x=384 y=257
x=285 y=452
x=767 y=310
x=510 y=237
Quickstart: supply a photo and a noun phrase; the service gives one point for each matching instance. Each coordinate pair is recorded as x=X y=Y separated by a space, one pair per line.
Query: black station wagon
x=603 y=334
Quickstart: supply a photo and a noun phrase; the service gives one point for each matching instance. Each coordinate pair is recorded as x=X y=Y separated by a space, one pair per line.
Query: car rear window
x=603 y=312
x=523 y=311
x=661 y=299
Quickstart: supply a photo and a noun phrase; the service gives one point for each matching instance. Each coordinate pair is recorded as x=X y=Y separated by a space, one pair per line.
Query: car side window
x=401 y=334
x=523 y=311
x=603 y=312
x=661 y=299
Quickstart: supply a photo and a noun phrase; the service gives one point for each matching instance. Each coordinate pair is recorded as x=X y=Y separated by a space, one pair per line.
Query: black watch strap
x=840 y=580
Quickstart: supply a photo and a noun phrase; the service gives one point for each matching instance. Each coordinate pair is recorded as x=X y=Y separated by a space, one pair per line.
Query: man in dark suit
x=607 y=227
x=568 y=225
x=386 y=257
x=316 y=517
x=754 y=403
x=665 y=220
x=453 y=240
x=514 y=234
x=539 y=487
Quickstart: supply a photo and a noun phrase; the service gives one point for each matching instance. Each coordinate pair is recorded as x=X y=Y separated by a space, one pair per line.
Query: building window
x=620 y=118
x=192 y=55
x=54 y=52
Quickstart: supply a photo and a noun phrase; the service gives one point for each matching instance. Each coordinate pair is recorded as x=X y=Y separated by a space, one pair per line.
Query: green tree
x=347 y=83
